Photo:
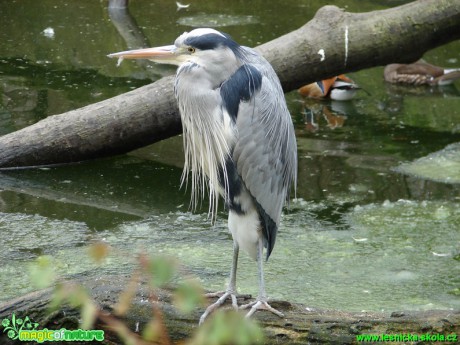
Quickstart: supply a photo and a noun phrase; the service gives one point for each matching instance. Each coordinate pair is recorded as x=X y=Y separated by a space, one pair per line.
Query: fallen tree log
x=333 y=42
x=301 y=325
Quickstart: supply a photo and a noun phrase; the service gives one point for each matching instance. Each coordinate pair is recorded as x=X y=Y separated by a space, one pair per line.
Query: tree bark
x=355 y=41
x=300 y=326
x=333 y=42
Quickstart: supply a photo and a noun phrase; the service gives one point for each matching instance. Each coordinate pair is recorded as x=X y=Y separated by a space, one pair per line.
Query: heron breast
x=240 y=87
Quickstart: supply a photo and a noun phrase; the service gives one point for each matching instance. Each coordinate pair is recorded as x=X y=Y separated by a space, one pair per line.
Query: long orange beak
x=165 y=54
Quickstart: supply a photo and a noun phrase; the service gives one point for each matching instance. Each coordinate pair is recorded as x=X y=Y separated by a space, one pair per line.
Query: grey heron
x=239 y=141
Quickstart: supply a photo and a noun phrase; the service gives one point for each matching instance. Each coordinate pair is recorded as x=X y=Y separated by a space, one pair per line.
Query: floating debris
x=181 y=6
x=359 y=239
x=439 y=254
x=48 y=32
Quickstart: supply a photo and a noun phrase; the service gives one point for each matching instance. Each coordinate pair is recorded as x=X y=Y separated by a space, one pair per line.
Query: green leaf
x=161 y=270
x=77 y=295
x=126 y=297
x=59 y=295
x=189 y=295
x=88 y=314
x=228 y=327
x=152 y=330
x=42 y=272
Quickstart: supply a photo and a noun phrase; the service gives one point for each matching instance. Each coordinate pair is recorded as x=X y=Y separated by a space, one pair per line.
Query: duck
x=338 y=88
x=420 y=73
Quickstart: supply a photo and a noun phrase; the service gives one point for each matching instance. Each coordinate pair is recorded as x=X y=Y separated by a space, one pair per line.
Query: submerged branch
x=301 y=325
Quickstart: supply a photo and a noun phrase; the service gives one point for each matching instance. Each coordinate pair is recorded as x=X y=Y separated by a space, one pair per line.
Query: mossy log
x=333 y=42
x=301 y=324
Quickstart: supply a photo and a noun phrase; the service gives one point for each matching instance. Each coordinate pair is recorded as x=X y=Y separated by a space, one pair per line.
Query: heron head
x=207 y=48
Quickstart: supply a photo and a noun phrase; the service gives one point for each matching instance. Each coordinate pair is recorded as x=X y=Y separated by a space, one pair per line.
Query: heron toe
x=260 y=305
x=223 y=296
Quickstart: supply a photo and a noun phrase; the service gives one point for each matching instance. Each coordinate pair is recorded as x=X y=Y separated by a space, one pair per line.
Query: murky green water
x=361 y=235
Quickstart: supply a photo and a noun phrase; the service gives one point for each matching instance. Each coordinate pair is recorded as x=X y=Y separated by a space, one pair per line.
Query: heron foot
x=221 y=293
x=260 y=305
x=223 y=296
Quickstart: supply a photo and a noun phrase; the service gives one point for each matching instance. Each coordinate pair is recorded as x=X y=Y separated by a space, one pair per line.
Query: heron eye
x=191 y=50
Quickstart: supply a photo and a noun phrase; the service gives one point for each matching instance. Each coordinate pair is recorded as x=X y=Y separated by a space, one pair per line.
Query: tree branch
x=301 y=325
x=355 y=41
x=348 y=42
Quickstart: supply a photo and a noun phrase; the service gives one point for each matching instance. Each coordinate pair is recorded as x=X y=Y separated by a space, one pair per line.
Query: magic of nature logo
x=24 y=329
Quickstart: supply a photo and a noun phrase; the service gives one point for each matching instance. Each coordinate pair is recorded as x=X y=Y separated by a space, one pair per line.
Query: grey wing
x=265 y=153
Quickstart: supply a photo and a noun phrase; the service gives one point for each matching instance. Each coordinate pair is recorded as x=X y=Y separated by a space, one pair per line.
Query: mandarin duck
x=339 y=88
x=419 y=73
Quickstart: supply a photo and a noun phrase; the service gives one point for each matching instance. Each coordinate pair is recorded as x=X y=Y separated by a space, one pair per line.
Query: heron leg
x=231 y=289
x=261 y=303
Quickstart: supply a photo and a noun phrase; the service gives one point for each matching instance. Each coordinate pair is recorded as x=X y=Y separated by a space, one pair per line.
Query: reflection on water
x=332 y=114
x=216 y=20
x=359 y=235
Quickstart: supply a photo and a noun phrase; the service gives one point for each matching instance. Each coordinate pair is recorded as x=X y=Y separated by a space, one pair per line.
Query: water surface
x=360 y=235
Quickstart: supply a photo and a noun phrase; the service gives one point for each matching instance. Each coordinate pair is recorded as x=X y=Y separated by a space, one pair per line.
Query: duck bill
x=165 y=54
